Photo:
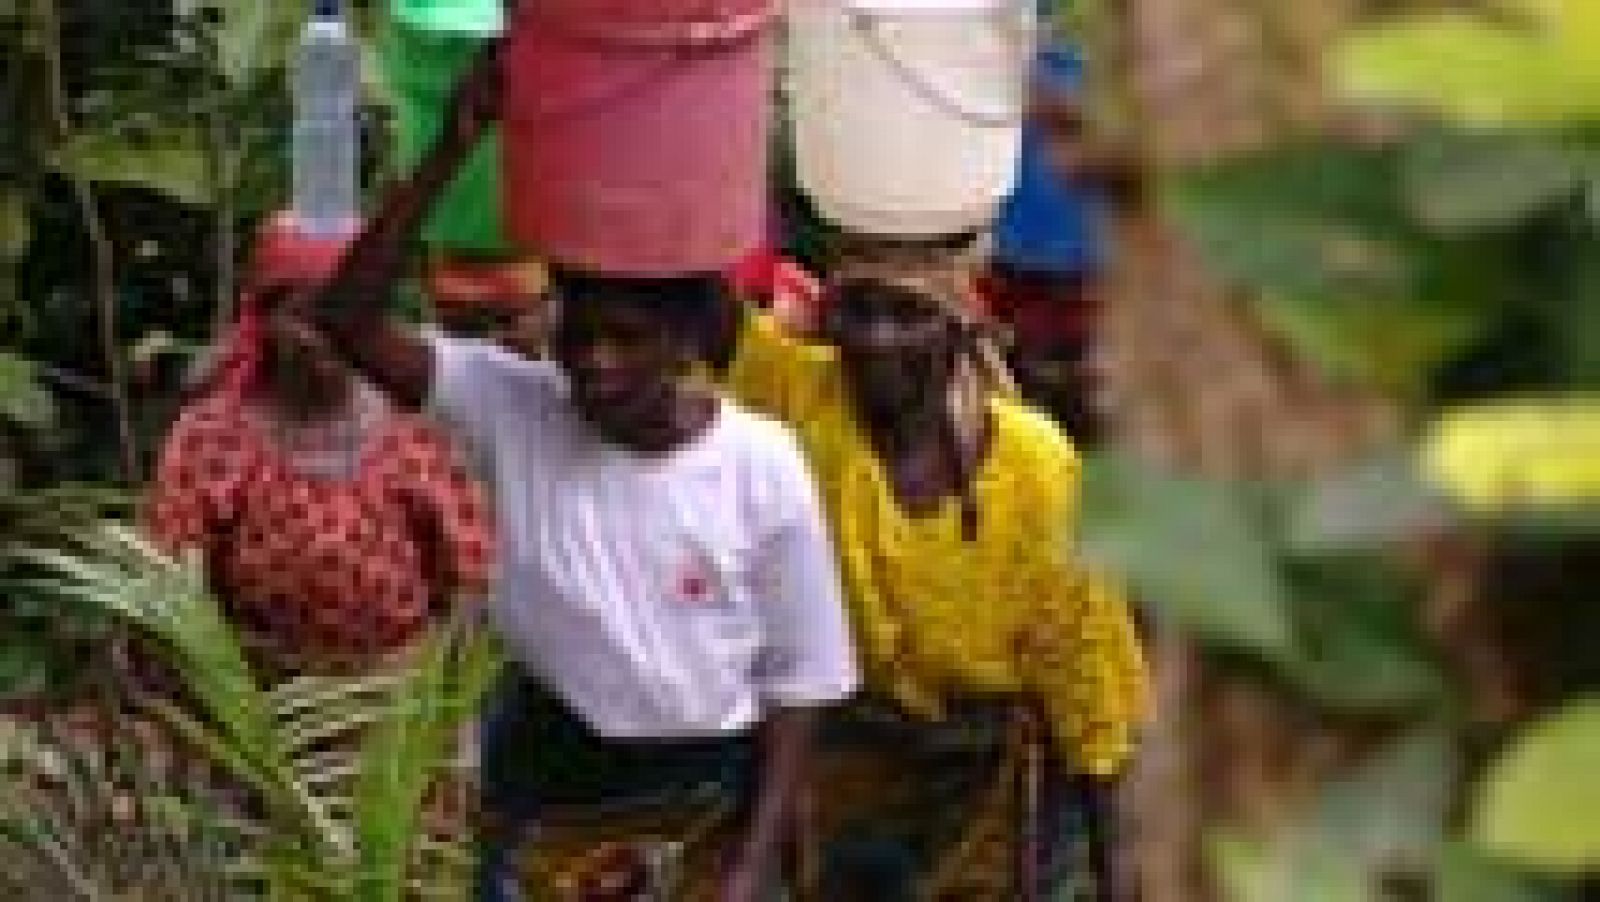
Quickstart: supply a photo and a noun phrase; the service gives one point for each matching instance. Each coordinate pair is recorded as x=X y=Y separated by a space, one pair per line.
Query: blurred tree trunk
x=1190 y=381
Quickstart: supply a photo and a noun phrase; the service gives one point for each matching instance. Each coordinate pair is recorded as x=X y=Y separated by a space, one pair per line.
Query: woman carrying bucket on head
x=983 y=641
x=670 y=596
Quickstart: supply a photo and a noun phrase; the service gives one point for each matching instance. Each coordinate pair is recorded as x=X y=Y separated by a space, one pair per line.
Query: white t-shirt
x=669 y=597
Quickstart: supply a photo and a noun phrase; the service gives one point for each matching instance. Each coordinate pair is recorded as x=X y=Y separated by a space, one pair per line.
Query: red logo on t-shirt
x=695 y=587
x=696 y=583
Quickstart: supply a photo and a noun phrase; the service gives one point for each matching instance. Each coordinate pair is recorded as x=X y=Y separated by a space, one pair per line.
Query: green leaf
x=1392 y=344
x=16 y=231
x=1466 y=183
x=1537 y=805
x=1340 y=268
x=1539 y=69
x=1310 y=219
x=1291 y=867
x=1573 y=314
x=1516 y=455
x=1464 y=874
x=1389 y=814
x=1191 y=549
x=1393 y=810
x=314 y=835
x=1359 y=647
x=169 y=160
x=409 y=750
x=24 y=667
x=255 y=38
x=24 y=401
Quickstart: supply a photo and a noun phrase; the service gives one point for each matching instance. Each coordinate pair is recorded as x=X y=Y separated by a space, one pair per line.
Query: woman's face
x=299 y=366
x=897 y=349
x=623 y=362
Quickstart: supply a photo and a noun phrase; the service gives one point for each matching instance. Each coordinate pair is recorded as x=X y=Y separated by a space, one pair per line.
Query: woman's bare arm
x=349 y=309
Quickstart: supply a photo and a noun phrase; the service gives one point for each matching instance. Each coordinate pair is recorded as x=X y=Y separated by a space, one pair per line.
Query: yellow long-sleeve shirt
x=937 y=615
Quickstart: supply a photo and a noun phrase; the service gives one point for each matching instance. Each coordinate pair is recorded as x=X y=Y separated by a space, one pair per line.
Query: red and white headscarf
x=283 y=256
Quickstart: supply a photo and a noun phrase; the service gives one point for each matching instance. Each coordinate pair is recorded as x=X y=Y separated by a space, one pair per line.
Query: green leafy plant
x=41 y=643
x=1355 y=260
x=334 y=773
x=1216 y=561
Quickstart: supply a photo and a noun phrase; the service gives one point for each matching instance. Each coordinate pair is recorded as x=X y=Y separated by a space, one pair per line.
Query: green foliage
x=1454 y=261
x=253 y=39
x=1256 y=870
x=1524 y=465
x=16 y=231
x=1345 y=270
x=1359 y=646
x=23 y=400
x=1382 y=825
x=1212 y=559
x=43 y=643
x=403 y=757
x=1390 y=812
x=202 y=117
x=1537 y=805
x=1468 y=183
x=169 y=161
x=1464 y=874
x=1384 y=264
x=1533 y=64
x=337 y=768
x=1384 y=817
x=1192 y=550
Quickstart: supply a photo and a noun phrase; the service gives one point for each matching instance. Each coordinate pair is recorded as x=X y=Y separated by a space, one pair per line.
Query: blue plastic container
x=1047 y=225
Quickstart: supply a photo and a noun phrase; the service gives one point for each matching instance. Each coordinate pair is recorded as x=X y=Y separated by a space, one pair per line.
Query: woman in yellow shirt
x=953 y=509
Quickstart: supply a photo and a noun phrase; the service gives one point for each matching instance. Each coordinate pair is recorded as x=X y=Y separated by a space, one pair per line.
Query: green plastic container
x=425 y=47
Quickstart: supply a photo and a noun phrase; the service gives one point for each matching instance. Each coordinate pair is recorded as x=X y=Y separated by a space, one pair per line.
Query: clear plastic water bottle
x=327 y=76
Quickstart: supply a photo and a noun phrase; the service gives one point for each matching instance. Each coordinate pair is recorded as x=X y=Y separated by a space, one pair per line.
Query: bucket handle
x=868 y=25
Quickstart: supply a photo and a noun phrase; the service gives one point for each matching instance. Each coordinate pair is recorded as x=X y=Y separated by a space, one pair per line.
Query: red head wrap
x=283 y=256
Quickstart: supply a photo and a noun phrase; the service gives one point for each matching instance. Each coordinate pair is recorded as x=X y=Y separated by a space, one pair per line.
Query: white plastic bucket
x=907 y=114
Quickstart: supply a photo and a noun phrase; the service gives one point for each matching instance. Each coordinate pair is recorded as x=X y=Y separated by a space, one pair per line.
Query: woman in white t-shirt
x=667 y=589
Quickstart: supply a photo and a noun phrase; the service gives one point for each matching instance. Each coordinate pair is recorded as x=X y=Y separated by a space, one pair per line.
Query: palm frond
x=337 y=771
x=409 y=749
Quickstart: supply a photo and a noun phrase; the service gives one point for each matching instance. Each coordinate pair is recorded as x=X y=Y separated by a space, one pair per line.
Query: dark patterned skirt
x=970 y=808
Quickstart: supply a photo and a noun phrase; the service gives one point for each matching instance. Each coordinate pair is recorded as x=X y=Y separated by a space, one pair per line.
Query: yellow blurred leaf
x=1508 y=454
x=1539 y=68
x=1539 y=806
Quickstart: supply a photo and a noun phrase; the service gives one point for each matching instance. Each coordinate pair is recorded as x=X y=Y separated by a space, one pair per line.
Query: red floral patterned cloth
x=316 y=566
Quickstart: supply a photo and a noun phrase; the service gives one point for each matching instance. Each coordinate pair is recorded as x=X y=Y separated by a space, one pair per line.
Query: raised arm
x=349 y=309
